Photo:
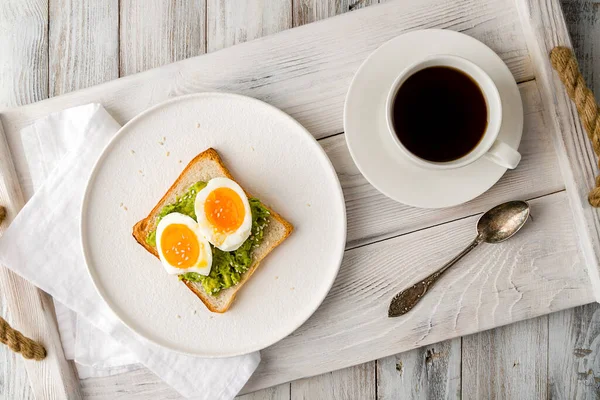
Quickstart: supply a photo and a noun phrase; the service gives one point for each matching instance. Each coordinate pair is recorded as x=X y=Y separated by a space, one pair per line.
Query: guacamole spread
x=227 y=267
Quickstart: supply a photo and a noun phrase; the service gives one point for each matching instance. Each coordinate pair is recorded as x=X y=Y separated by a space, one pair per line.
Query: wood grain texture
x=574 y=353
x=279 y=392
x=497 y=366
x=83 y=44
x=80 y=35
x=308 y=79
x=230 y=23
x=544 y=28
x=583 y=21
x=24 y=79
x=160 y=391
x=307 y=11
x=430 y=372
x=134 y=385
x=351 y=383
x=493 y=286
x=23 y=47
x=573 y=333
x=31 y=310
x=354 y=382
x=23 y=51
x=156 y=32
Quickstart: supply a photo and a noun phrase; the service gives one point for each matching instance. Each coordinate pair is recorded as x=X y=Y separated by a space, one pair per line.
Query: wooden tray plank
x=544 y=28
x=304 y=71
x=535 y=273
x=32 y=310
x=308 y=79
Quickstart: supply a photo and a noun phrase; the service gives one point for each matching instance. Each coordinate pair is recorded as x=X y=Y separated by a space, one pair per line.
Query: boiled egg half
x=223 y=213
x=181 y=247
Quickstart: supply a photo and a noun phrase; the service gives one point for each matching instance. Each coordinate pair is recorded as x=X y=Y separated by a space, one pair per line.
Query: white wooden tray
x=306 y=71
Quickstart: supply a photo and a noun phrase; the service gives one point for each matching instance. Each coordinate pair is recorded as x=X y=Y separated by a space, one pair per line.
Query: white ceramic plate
x=372 y=146
x=272 y=156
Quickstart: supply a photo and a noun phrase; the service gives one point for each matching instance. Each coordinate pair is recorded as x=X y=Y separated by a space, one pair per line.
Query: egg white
x=204 y=262
x=233 y=240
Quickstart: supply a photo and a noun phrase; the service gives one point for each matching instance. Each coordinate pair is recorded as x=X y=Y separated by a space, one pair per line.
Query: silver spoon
x=495 y=226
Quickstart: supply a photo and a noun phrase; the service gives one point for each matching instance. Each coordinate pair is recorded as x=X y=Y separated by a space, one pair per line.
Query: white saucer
x=372 y=146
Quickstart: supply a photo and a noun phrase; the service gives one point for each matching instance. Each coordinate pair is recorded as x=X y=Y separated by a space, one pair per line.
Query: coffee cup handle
x=503 y=155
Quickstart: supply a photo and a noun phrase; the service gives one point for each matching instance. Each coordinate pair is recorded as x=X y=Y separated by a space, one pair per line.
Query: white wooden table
x=48 y=48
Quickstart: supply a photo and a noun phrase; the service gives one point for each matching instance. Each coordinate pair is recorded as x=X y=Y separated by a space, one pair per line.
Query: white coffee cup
x=489 y=146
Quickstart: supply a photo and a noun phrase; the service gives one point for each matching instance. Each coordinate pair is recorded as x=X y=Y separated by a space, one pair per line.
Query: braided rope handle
x=15 y=340
x=29 y=349
x=564 y=62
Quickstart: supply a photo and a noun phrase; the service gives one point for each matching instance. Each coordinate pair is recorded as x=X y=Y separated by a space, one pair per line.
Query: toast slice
x=203 y=167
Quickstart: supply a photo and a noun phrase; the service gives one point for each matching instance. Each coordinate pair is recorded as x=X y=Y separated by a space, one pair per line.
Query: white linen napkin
x=45 y=143
x=42 y=245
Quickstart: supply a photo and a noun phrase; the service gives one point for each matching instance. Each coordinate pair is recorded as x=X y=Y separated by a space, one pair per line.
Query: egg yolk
x=224 y=210
x=180 y=246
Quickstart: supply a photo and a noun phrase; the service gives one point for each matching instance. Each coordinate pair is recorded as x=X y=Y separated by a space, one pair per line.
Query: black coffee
x=439 y=114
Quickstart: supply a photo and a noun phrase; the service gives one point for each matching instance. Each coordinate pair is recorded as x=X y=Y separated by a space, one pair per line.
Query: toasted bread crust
x=143 y=227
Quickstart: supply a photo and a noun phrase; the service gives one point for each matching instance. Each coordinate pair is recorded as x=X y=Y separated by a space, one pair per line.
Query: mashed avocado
x=227 y=267
x=183 y=205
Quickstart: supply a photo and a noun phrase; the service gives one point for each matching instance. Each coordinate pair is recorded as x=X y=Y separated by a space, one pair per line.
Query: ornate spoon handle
x=404 y=301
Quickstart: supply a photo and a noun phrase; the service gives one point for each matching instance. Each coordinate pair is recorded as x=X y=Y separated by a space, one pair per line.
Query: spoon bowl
x=503 y=221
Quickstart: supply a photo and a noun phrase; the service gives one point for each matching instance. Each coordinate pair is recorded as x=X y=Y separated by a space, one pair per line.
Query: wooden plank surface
x=318 y=84
x=429 y=372
x=495 y=286
x=351 y=383
x=156 y=32
x=24 y=51
x=24 y=74
x=76 y=29
x=229 y=23
x=22 y=46
x=546 y=29
x=574 y=353
x=495 y=365
x=135 y=384
x=307 y=11
x=360 y=381
x=280 y=392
